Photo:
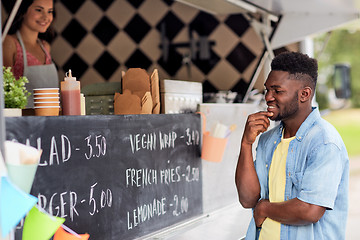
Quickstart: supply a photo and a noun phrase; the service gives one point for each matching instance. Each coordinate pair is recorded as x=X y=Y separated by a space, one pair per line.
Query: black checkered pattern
x=97 y=39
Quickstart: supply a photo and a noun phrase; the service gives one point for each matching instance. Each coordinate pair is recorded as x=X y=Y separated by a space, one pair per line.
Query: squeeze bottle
x=70 y=95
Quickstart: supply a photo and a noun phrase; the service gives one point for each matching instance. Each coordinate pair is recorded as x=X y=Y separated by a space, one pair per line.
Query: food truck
x=147 y=176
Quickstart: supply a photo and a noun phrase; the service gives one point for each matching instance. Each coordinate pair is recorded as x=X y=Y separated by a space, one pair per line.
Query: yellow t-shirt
x=277 y=179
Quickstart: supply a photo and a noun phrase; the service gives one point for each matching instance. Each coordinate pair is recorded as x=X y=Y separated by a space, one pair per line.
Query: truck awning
x=307 y=17
x=299 y=19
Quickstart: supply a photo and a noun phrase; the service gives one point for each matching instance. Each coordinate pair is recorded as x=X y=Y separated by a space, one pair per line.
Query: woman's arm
x=9 y=51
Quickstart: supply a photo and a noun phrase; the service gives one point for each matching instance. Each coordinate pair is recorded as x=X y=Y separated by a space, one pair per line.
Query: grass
x=347 y=122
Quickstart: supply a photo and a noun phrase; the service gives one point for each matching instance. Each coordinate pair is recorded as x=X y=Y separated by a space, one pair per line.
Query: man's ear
x=306 y=94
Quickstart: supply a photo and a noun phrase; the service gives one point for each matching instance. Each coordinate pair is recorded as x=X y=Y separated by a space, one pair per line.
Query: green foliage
x=322 y=100
x=342 y=47
x=346 y=121
x=15 y=93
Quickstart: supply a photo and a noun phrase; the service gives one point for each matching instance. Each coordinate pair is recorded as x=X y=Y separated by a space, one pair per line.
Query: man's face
x=282 y=95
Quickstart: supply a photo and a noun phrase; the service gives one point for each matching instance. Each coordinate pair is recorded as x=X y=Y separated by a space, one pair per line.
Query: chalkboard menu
x=115 y=177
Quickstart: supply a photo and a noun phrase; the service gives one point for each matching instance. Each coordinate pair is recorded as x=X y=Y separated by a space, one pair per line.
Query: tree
x=341 y=47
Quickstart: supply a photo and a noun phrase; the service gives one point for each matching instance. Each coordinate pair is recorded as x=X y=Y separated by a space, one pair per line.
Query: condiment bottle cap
x=68 y=76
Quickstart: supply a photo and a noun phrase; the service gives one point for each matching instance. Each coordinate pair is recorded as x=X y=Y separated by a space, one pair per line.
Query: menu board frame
x=115 y=177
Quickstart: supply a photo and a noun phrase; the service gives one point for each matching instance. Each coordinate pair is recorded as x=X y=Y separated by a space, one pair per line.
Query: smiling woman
x=27 y=50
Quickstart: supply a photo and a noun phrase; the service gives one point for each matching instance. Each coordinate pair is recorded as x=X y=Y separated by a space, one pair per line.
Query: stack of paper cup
x=46 y=101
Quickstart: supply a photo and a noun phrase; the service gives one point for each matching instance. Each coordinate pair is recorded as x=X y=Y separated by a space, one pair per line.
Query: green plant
x=342 y=46
x=15 y=93
x=346 y=121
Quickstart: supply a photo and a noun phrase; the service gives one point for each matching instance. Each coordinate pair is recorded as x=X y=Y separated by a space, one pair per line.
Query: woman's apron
x=39 y=76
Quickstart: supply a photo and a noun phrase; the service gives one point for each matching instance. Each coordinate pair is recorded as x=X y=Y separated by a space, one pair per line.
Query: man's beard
x=289 y=109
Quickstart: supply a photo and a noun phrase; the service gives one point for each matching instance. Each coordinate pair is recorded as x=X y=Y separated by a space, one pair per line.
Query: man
x=298 y=185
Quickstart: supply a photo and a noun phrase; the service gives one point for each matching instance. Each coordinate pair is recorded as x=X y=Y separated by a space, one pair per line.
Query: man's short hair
x=300 y=66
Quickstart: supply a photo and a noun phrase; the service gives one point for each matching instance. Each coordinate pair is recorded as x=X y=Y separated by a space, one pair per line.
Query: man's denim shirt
x=317 y=172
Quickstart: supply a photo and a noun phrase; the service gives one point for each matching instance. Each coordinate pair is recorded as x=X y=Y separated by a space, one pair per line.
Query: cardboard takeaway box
x=140 y=93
